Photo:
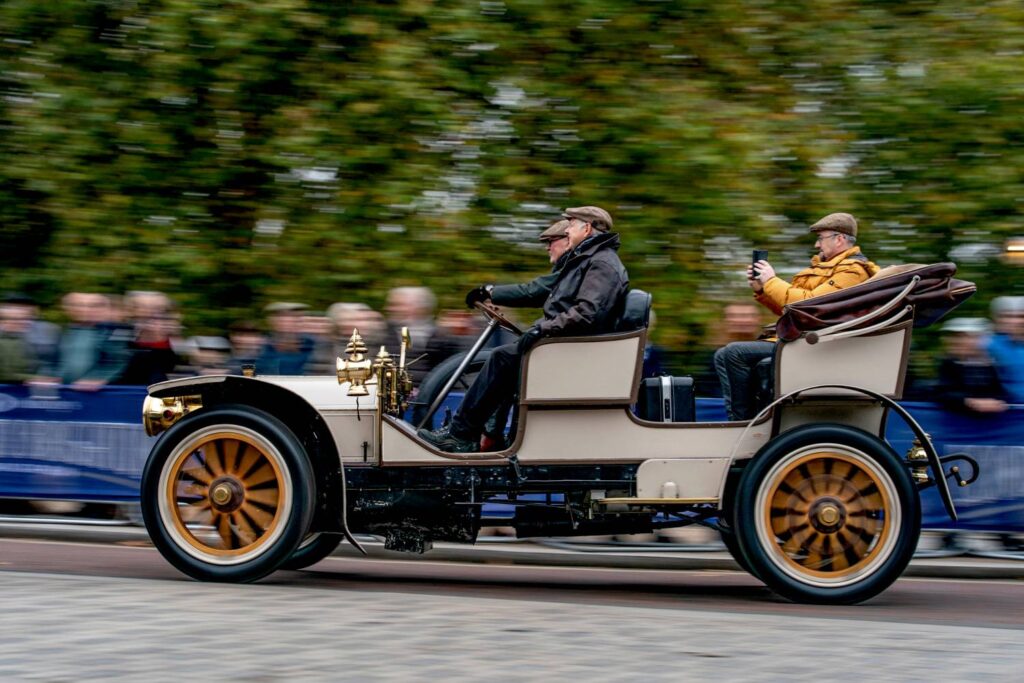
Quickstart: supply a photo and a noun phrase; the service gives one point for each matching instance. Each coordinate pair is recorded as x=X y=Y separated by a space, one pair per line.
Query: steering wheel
x=491 y=312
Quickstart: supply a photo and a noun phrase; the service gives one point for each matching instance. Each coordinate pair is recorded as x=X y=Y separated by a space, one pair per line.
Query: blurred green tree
x=236 y=153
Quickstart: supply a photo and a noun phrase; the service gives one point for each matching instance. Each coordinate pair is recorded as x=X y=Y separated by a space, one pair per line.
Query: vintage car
x=256 y=473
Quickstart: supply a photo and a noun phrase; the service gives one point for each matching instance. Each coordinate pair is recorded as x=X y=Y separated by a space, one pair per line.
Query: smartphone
x=759 y=255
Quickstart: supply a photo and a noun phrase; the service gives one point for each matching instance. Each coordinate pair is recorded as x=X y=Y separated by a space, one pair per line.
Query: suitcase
x=667 y=399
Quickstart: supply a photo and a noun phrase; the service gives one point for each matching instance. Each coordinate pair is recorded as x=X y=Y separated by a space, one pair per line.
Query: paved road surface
x=77 y=611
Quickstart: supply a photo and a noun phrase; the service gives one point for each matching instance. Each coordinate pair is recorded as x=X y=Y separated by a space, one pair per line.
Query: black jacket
x=959 y=381
x=530 y=294
x=587 y=296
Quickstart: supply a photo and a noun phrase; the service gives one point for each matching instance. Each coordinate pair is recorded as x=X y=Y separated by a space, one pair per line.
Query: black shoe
x=444 y=440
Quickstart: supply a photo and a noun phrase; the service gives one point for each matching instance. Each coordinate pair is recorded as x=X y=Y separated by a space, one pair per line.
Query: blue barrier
x=61 y=444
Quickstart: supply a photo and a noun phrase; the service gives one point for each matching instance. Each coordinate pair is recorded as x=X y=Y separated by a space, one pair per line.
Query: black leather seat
x=636 y=311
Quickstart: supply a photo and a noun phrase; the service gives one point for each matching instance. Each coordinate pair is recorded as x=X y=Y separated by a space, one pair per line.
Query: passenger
x=968 y=381
x=582 y=297
x=1006 y=346
x=838 y=264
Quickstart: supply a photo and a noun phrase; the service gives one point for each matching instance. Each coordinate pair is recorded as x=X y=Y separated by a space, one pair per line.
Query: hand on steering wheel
x=491 y=312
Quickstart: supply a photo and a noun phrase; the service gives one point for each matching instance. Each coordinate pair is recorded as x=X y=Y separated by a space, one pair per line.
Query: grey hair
x=423 y=295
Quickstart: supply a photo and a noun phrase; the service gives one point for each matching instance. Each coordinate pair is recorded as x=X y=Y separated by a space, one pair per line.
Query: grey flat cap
x=837 y=222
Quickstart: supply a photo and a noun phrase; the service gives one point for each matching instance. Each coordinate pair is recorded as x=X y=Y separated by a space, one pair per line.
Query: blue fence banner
x=62 y=444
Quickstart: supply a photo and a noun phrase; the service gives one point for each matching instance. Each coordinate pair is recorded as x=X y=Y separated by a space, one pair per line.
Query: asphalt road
x=74 y=611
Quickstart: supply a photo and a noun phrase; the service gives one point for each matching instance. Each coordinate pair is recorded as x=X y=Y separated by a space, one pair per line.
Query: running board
x=655 y=501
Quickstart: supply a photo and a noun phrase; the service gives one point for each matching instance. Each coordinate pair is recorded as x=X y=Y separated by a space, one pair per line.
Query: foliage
x=236 y=153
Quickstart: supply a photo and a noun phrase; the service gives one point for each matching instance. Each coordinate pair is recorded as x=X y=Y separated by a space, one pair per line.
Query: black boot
x=444 y=439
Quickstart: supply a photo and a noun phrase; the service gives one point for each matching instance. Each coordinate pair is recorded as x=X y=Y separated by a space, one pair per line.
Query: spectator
x=738 y=322
x=288 y=350
x=247 y=341
x=1006 y=346
x=92 y=351
x=42 y=337
x=17 y=362
x=320 y=329
x=413 y=307
x=372 y=327
x=153 y=323
x=210 y=355
x=967 y=375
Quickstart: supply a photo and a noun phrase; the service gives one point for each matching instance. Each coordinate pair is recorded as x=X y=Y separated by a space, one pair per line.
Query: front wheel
x=227 y=494
x=827 y=514
x=315 y=547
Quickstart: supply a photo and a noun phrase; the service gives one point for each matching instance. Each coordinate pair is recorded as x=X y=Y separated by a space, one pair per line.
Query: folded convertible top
x=935 y=294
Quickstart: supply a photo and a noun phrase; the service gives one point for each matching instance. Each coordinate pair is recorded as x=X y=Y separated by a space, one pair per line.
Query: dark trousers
x=491 y=389
x=735 y=364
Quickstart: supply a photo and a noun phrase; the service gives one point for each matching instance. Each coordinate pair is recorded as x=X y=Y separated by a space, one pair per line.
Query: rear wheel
x=227 y=494
x=732 y=544
x=827 y=514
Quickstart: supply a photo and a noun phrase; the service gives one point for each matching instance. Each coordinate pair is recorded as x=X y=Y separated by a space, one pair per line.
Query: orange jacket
x=844 y=270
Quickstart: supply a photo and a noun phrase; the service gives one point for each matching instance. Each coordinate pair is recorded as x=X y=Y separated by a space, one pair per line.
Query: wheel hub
x=827 y=515
x=226 y=495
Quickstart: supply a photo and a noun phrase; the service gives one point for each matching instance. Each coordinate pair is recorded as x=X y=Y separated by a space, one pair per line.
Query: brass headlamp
x=357 y=368
x=158 y=414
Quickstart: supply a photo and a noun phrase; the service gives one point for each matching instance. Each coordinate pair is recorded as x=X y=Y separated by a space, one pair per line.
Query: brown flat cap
x=595 y=215
x=556 y=230
x=837 y=222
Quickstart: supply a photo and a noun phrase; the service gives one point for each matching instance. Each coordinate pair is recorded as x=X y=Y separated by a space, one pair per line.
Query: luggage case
x=667 y=399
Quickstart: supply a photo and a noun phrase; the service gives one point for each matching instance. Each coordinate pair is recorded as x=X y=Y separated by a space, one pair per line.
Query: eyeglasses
x=822 y=238
x=553 y=240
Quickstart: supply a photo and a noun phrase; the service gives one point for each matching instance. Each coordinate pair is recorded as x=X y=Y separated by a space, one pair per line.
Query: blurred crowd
x=982 y=371
x=137 y=339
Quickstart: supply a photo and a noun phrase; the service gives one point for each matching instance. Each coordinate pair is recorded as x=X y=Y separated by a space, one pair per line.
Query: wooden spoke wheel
x=827 y=514
x=228 y=496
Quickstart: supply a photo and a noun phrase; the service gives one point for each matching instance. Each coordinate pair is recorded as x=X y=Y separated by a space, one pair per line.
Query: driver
x=581 y=296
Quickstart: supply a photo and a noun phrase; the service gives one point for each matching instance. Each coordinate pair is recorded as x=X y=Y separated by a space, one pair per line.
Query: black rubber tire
x=435 y=380
x=313 y=548
x=842 y=576
x=732 y=544
x=291 y=519
x=726 y=525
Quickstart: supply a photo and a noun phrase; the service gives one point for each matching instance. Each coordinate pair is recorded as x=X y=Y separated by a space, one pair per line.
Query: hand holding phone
x=759 y=255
